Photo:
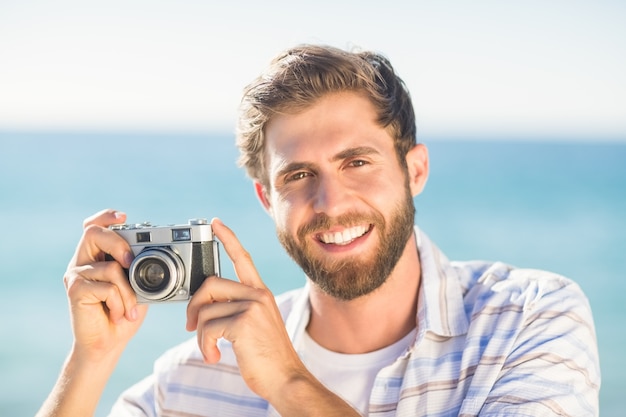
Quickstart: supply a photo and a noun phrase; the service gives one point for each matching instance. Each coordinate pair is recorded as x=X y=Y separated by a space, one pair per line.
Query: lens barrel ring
x=156 y=273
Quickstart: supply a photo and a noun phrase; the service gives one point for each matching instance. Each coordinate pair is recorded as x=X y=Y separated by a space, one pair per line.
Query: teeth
x=344 y=237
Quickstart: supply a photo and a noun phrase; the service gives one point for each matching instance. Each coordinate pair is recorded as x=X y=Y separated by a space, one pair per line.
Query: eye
x=357 y=163
x=297 y=176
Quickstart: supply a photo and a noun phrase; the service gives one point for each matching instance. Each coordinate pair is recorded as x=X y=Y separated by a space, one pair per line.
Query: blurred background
x=132 y=105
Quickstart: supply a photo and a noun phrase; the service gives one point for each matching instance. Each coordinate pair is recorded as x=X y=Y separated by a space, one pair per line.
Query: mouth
x=344 y=237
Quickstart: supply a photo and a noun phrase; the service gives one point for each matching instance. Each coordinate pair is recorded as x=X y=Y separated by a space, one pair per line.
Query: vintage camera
x=171 y=262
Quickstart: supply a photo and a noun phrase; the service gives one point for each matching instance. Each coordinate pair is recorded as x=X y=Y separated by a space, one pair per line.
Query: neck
x=373 y=321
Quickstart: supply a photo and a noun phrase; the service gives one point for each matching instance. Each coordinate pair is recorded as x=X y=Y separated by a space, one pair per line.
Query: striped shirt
x=492 y=340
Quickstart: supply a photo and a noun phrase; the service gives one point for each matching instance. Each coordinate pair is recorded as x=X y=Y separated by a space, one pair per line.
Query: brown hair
x=299 y=76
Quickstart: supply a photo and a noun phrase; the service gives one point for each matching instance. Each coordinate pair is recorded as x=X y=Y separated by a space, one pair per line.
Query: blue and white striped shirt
x=492 y=340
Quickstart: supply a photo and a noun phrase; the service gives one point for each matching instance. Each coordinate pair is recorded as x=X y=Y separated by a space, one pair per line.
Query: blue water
x=558 y=206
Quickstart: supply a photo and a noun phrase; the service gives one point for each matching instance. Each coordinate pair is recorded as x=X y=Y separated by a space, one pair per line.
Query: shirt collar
x=440 y=303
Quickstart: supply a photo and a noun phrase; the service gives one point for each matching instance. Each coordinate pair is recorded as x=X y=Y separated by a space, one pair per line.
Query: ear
x=417 y=163
x=262 y=195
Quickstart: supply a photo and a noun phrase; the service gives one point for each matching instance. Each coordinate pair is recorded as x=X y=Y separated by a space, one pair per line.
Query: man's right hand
x=104 y=310
x=104 y=313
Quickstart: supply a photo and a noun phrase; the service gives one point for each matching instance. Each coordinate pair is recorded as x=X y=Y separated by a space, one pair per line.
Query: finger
x=218 y=310
x=105 y=218
x=208 y=336
x=220 y=320
x=102 y=220
x=98 y=240
x=83 y=292
x=217 y=290
x=242 y=261
x=111 y=272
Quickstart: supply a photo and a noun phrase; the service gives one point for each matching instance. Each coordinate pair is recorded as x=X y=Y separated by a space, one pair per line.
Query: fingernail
x=133 y=313
x=119 y=214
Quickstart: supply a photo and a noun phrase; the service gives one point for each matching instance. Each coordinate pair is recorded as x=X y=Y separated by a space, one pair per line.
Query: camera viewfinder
x=144 y=237
x=181 y=235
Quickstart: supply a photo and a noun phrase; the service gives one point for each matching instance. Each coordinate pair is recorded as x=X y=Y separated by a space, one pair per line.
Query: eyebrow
x=345 y=154
x=356 y=151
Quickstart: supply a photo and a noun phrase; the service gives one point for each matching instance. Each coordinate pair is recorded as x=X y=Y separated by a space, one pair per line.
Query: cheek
x=387 y=198
x=380 y=190
x=284 y=214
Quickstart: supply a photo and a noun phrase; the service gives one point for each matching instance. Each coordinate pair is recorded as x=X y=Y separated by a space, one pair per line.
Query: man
x=386 y=325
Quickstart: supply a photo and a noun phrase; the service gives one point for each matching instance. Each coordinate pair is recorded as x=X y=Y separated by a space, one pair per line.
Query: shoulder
x=517 y=304
x=493 y=285
x=533 y=333
x=528 y=313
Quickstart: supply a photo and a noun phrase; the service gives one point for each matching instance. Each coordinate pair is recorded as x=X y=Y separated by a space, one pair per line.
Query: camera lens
x=152 y=275
x=156 y=274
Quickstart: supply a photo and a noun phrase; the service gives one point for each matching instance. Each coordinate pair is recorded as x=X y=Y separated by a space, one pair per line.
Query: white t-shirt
x=350 y=376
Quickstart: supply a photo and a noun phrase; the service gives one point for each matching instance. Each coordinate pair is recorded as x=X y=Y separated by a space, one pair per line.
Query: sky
x=521 y=69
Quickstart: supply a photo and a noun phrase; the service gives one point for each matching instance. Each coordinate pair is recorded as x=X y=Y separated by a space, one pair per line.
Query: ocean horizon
x=557 y=205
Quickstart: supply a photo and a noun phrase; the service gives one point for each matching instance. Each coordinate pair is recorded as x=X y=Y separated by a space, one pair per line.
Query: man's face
x=338 y=194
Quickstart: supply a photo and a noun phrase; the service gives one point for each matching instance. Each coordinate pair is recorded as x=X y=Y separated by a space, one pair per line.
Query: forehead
x=334 y=121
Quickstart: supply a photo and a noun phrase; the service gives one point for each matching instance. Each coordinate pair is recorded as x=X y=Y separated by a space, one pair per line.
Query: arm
x=79 y=387
x=245 y=313
x=104 y=317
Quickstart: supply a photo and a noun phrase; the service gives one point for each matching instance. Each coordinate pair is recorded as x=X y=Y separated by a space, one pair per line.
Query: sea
x=558 y=205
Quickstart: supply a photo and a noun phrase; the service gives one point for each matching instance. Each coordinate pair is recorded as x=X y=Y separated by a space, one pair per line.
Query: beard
x=352 y=277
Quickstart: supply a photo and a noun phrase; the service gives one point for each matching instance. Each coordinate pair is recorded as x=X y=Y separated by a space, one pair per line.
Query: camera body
x=171 y=262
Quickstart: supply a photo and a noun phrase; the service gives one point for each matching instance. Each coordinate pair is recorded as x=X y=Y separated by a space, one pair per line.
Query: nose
x=331 y=196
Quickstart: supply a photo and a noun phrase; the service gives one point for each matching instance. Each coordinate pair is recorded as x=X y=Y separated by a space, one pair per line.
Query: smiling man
x=386 y=325
x=341 y=201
